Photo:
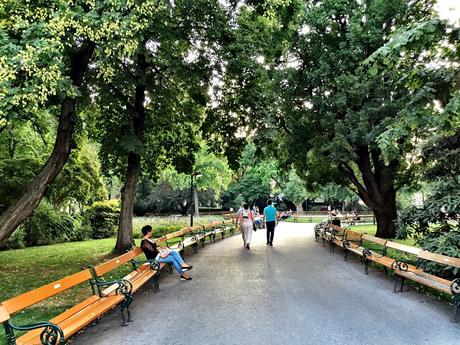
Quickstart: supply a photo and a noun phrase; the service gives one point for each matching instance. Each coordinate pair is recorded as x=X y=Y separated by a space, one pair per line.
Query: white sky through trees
x=449 y=9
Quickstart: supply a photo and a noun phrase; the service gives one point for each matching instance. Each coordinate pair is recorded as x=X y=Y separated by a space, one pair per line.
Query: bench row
x=405 y=264
x=105 y=294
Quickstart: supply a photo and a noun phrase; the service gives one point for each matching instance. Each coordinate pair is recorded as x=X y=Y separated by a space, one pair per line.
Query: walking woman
x=245 y=221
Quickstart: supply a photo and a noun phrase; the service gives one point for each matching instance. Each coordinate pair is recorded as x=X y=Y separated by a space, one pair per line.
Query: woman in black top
x=163 y=254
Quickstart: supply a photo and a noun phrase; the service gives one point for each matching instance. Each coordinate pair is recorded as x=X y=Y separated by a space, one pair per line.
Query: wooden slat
x=382 y=260
x=441 y=259
x=403 y=247
x=32 y=297
x=175 y=234
x=80 y=319
x=4 y=315
x=116 y=262
x=427 y=280
x=29 y=336
x=142 y=270
x=354 y=235
x=374 y=239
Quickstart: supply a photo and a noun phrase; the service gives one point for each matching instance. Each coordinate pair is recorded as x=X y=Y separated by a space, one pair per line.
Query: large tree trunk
x=386 y=216
x=25 y=205
x=125 y=226
x=298 y=207
x=128 y=193
x=377 y=189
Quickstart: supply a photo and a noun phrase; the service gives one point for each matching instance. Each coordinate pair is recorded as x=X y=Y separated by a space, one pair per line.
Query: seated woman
x=163 y=254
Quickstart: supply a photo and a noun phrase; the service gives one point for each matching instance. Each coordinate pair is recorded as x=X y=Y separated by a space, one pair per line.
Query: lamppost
x=195 y=174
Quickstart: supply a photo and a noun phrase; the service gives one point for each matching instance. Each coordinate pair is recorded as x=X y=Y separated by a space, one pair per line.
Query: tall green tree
x=326 y=110
x=151 y=104
x=45 y=52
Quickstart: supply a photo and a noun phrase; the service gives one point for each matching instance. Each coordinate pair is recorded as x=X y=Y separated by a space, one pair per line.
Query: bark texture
x=125 y=226
x=376 y=188
x=26 y=204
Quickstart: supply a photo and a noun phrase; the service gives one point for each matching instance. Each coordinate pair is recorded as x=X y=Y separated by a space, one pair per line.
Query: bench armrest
x=51 y=335
x=125 y=287
x=154 y=264
x=455 y=287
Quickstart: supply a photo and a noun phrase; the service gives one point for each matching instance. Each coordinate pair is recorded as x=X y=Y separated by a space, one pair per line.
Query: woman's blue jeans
x=173 y=258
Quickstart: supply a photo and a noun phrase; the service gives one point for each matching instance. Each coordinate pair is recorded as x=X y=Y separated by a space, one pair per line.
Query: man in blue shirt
x=270 y=218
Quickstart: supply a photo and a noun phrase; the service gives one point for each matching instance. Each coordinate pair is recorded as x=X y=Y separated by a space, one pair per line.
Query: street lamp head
x=197 y=174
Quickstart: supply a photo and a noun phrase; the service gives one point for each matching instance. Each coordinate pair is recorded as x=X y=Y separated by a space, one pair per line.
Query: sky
x=449 y=9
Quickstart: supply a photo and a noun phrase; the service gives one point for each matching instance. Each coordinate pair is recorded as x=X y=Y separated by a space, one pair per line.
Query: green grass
x=313 y=219
x=22 y=270
x=372 y=229
x=25 y=269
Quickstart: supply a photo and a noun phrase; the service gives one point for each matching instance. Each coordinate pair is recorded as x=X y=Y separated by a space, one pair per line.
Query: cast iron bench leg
x=156 y=282
x=397 y=280
x=456 y=305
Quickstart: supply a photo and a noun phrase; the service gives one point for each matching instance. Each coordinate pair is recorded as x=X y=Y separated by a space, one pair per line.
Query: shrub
x=48 y=225
x=16 y=240
x=102 y=216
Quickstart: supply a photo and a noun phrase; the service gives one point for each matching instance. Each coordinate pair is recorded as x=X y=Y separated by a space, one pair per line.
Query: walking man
x=271 y=216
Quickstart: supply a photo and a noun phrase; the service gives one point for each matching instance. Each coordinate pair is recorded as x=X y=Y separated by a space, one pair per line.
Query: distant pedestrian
x=246 y=222
x=238 y=213
x=271 y=216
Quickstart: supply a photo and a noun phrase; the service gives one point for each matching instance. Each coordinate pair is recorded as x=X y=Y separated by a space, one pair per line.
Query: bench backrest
x=440 y=259
x=116 y=262
x=32 y=297
x=354 y=235
x=4 y=315
x=374 y=239
x=403 y=247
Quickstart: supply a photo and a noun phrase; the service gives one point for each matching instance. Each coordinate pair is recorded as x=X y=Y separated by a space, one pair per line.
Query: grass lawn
x=313 y=219
x=371 y=230
x=25 y=269
x=22 y=270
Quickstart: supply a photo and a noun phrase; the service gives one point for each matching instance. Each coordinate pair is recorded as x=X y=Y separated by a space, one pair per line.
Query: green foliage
x=336 y=193
x=16 y=240
x=16 y=174
x=295 y=189
x=435 y=225
x=81 y=180
x=48 y=225
x=102 y=217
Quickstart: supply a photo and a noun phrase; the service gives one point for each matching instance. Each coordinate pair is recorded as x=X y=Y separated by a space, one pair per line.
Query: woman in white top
x=245 y=221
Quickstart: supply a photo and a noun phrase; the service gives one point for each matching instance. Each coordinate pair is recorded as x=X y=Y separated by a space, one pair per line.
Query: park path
x=295 y=292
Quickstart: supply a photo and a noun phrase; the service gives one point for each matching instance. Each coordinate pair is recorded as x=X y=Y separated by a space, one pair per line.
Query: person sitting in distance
x=163 y=255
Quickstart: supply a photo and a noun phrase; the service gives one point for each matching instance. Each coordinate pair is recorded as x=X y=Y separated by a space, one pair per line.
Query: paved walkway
x=293 y=293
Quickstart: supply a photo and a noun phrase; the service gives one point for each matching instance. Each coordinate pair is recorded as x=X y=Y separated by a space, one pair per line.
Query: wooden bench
x=404 y=260
x=70 y=321
x=106 y=294
x=410 y=270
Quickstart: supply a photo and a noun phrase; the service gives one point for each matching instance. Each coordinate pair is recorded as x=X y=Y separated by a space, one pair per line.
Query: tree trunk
x=26 y=204
x=377 y=189
x=125 y=226
x=299 y=207
x=128 y=192
x=196 y=202
x=386 y=217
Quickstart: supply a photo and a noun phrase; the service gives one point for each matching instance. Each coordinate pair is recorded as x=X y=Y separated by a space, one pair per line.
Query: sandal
x=185 y=278
x=188 y=268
